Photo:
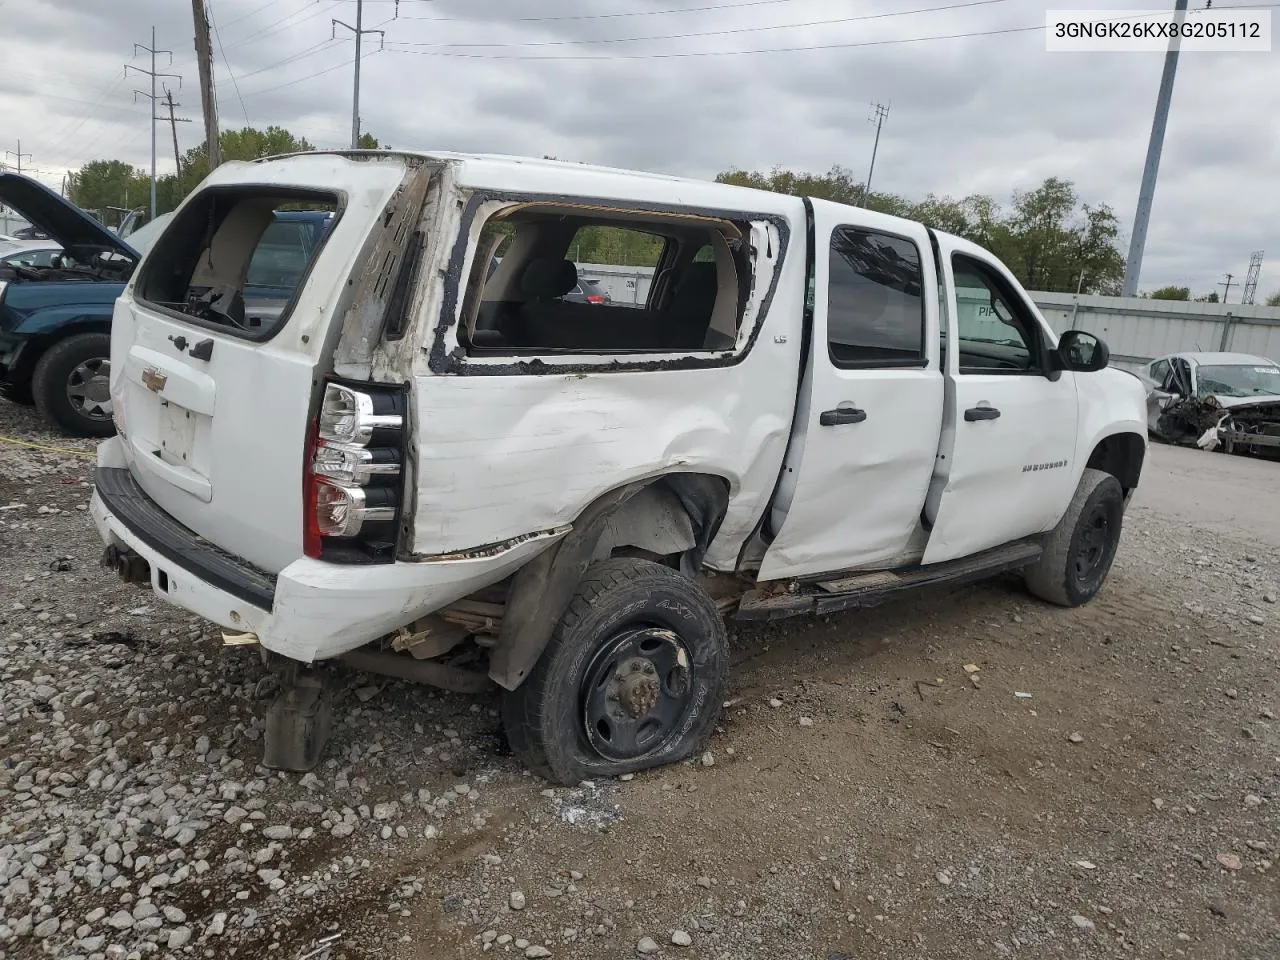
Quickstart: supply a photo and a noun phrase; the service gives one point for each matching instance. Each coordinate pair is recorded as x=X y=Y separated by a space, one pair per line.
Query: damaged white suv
x=433 y=464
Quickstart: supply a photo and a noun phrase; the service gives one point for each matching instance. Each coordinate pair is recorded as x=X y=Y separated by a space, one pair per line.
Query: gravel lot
x=965 y=774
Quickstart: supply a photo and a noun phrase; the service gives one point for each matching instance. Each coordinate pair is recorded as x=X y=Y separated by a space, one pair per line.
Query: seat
x=687 y=319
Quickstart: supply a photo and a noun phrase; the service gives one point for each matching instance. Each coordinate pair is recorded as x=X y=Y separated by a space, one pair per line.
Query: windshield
x=1239 y=380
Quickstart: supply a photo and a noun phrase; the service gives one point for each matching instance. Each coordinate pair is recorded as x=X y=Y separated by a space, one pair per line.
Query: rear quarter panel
x=502 y=455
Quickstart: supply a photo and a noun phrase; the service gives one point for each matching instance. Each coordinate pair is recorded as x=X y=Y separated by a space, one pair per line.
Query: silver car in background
x=1227 y=401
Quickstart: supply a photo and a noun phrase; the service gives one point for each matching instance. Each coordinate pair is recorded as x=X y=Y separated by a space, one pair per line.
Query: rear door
x=1006 y=462
x=212 y=395
x=870 y=411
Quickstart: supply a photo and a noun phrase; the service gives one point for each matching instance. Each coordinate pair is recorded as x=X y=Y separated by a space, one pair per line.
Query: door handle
x=981 y=413
x=830 y=418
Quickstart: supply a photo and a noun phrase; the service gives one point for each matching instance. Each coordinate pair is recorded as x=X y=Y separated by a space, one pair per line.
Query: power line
x=805 y=48
x=275 y=27
x=709 y=33
x=311 y=76
x=326 y=44
x=607 y=16
x=227 y=63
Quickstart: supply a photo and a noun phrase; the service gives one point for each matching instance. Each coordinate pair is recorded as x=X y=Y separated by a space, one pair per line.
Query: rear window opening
x=235 y=259
x=550 y=279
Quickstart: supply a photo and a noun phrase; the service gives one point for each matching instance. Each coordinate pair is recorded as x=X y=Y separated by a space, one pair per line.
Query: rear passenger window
x=564 y=273
x=875 y=313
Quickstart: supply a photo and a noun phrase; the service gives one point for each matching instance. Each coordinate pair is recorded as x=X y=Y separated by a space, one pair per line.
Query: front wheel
x=633 y=677
x=71 y=385
x=1078 y=553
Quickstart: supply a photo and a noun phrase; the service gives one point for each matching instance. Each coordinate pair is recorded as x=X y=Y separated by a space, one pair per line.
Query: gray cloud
x=990 y=114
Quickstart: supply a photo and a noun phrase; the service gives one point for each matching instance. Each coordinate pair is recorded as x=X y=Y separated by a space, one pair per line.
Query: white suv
x=433 y=467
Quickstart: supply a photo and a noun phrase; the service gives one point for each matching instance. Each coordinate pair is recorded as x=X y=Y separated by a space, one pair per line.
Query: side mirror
x=1082 y=352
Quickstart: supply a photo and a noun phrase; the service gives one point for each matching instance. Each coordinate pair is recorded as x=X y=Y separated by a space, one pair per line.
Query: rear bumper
x=311 y=610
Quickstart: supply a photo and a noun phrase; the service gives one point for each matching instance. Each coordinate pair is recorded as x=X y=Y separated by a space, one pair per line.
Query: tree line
x=103 y=185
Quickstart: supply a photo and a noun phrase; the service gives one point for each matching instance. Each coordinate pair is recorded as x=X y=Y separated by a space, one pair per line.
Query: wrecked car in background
x=432 y=464
x=1216 y=401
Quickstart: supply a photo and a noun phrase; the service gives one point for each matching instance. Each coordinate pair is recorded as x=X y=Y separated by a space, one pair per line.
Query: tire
x=1079 y=551
x=590 y=708
x=70 y=385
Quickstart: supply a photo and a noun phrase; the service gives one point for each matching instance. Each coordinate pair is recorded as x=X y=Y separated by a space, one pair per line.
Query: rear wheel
x=1078 y=553
x=633 y=677
x=71 y=385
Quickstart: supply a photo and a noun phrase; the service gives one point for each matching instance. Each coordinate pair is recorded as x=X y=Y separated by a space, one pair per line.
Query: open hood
x=1255 y=400
x=61 y=219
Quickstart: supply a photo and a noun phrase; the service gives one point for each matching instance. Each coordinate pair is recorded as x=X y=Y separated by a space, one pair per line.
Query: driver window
x=994 y=332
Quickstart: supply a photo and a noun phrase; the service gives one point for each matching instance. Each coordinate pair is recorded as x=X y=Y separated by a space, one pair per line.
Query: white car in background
x=30 y=253
x=1229 y=401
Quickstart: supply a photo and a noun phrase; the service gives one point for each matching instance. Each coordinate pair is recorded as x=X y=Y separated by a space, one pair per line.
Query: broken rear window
x=549 y=279
x=236 y=259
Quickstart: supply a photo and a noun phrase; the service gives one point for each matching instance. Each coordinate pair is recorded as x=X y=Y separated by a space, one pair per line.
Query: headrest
x=546 y=278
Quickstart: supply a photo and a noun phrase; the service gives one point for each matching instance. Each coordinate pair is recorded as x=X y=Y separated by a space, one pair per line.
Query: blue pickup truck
x=55 y=320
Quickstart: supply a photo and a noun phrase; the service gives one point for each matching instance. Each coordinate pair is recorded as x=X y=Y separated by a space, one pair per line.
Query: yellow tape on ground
x=40 y=446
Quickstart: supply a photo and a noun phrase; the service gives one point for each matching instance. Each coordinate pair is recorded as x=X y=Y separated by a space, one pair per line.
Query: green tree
x=1048 y=238
x=1171 y=293
x=102 y=184
x=1209 y=298
x=1274 y=300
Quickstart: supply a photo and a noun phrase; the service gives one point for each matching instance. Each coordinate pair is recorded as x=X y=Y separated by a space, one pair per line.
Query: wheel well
x=38 y=345
x=1120 y=455
x=678 y=514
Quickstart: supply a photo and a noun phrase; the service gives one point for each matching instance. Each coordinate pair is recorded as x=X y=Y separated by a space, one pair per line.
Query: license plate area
x=176 y=434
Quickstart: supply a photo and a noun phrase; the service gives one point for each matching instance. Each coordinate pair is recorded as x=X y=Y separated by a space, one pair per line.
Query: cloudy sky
x=692 y=87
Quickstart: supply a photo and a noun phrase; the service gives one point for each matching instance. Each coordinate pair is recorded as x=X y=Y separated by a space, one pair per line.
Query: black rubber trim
x=185 y=548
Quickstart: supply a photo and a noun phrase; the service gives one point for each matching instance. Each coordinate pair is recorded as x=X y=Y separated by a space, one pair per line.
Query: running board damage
x=831 y=594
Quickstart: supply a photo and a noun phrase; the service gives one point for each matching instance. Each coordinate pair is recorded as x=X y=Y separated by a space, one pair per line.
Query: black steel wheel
x=636 y=693
x=1078 y=553
x=633 y=677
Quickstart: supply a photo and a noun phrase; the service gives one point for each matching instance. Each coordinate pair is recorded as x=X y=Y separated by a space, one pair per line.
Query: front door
x=870 y=411
x=1006 y=461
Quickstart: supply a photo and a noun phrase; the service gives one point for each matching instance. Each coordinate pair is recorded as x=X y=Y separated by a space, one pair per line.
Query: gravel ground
x=965 y=774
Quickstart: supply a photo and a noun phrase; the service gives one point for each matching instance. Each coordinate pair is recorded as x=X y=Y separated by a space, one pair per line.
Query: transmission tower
x=153 y=97
x=1251 y=278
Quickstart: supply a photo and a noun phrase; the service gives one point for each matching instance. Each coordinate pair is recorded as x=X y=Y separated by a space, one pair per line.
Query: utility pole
x=19 y=154
x=1226 y=288
x=173 y=126
x=152 y=97
x=881 y=111
x=1138 y=241
x=208 y=102
x=359 y=32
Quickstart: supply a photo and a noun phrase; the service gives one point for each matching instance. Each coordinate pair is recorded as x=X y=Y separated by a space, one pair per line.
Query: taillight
x=353 y=480
x=595 y=298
